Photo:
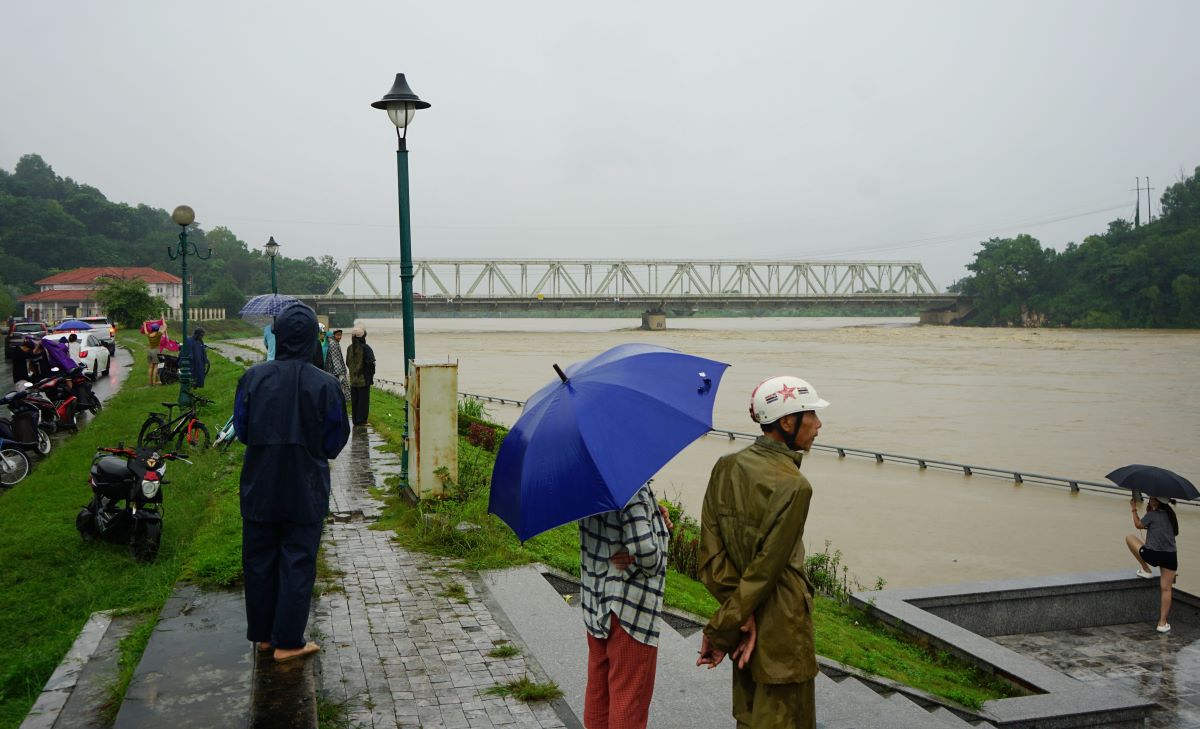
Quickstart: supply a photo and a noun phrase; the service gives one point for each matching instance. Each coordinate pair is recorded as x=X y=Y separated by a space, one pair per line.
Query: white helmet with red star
x=783 y=395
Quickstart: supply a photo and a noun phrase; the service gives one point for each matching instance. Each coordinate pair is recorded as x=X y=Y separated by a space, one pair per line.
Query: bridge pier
x=654 y=321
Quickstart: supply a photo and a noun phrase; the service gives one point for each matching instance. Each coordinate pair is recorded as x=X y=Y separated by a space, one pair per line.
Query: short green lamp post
x=401 y=105
x=183 y=217
x=272 y=251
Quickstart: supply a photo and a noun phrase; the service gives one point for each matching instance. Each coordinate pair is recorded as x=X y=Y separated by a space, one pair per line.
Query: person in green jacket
x=752 y=561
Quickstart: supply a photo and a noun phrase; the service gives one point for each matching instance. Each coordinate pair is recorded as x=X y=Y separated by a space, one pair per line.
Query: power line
x=957 y=237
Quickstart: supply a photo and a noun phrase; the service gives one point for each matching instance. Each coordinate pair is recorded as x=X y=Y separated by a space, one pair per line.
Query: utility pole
x=1137 y=210
x=1137 y=213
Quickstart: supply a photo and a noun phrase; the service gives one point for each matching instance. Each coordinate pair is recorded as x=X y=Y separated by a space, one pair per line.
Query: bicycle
x=185 y=429
x=225 y=436
x=14 y=465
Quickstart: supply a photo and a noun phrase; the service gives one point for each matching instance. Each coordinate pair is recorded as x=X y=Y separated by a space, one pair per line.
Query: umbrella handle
x=562 y=375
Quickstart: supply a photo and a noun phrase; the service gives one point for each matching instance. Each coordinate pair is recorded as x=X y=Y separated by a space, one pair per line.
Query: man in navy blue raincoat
x=292 y=418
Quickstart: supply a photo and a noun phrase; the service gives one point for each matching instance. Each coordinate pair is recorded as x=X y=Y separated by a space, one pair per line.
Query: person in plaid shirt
x=623 y=565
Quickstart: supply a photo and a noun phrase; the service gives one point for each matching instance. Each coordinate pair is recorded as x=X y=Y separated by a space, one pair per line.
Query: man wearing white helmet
x=752 y=561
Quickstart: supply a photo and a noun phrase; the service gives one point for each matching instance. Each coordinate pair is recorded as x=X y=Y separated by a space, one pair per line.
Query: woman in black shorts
x=1158 y=550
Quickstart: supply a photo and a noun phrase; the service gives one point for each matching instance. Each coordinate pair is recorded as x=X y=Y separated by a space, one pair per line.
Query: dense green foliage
x=50 y=223
x=129 y=302
x=1147 y=276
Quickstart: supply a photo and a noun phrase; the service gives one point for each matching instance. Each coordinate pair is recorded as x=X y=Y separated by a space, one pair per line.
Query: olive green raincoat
x=752 y=561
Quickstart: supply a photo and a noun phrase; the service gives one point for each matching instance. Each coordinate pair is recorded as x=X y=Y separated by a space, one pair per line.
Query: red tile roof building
x=71 y=293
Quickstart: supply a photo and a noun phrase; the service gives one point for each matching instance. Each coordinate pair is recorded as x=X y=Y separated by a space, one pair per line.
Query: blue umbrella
x=266 y=305
x=587 y=443
x=73 y=325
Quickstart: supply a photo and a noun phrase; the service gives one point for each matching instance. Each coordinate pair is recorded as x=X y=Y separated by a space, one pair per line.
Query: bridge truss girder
x=604 y=279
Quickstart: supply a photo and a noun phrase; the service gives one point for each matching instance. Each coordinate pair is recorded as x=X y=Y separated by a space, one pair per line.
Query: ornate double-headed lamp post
x=272 y=251
x=401 y=105
x=183 y=217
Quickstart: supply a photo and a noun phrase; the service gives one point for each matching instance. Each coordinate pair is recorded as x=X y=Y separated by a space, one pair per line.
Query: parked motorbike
x=126 y=505
x=55 y=415
x=22 y=429
x=60 y=397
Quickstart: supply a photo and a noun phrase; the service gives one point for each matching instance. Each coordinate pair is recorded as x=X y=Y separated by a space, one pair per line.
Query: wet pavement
x=1161 y=667
x=405 y=635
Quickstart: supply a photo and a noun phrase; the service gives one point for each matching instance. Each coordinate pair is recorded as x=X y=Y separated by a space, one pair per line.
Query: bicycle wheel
x=194 y=436
x=14 y=466
x=154 y=433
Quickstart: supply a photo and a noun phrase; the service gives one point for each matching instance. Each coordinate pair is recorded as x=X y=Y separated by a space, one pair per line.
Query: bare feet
x=264 y=646
x=288 y=654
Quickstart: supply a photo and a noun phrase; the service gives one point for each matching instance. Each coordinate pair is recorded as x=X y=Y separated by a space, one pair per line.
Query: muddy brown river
x=1067 y=403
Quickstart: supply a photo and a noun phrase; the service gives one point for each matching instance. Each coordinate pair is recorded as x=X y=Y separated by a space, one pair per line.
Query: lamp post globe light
x=183 y=216
x=401 y=105
x=272 y=251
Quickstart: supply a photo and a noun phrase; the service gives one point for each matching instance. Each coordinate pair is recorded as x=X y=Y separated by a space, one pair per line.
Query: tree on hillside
x=129 y=302
x=1011 y=276
x=225 y=295
x=1181 y=202
x=50 y=223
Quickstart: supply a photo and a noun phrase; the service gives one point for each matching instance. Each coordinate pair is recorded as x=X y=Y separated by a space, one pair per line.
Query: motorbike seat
x=111 y=468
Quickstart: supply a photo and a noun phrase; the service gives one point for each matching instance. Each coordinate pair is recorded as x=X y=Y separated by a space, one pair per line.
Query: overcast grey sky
x=890 y=130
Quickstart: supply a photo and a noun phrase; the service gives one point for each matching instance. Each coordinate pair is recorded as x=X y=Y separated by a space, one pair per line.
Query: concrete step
x=78 y=688
x=197 y=669
x=949 y=718
x=903 y=706
x=850 y=704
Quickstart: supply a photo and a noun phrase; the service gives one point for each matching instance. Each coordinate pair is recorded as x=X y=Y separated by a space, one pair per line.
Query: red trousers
x=620 y=680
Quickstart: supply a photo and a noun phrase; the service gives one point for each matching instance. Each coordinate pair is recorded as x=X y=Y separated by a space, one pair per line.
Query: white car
x=92 y=353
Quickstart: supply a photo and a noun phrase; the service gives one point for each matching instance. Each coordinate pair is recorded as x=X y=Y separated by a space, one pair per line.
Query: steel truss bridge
x=476 y=285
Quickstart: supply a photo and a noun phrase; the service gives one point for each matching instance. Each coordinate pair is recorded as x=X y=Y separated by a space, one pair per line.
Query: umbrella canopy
x=266 y=305
x=1154 y=481
x=73 y=325
x=587 y=442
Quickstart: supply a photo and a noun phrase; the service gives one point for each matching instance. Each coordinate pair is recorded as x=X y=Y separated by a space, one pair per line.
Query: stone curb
x=62 y=682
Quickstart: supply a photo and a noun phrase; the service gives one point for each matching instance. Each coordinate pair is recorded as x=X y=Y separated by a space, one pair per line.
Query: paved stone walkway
x=1162 y=668
x=395 y=649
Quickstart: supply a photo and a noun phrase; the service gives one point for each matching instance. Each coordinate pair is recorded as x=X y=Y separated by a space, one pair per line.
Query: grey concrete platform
x=1164 y=668
x=197 y=669
x=962 y=619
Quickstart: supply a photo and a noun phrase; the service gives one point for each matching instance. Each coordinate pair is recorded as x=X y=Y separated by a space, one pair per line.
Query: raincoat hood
x=295 y=332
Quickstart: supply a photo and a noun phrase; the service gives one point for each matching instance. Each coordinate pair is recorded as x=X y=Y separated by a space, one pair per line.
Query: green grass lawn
x=843 y=633
x=233 y=328
x=52 y=580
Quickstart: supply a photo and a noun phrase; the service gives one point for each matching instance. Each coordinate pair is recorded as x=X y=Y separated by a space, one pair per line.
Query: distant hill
x=1129 y=276
x=50 y=223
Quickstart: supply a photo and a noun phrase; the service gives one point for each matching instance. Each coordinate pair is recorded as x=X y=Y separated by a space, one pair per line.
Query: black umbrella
x=1154 y=481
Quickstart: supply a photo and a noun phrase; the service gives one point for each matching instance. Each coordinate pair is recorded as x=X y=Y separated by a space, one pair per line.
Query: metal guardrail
x=1017 y=476
x=1075 y=485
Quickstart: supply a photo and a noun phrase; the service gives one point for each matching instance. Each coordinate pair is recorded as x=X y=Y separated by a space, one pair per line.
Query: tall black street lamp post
x=183 y=217
x=401 y=105
x=272 y=251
